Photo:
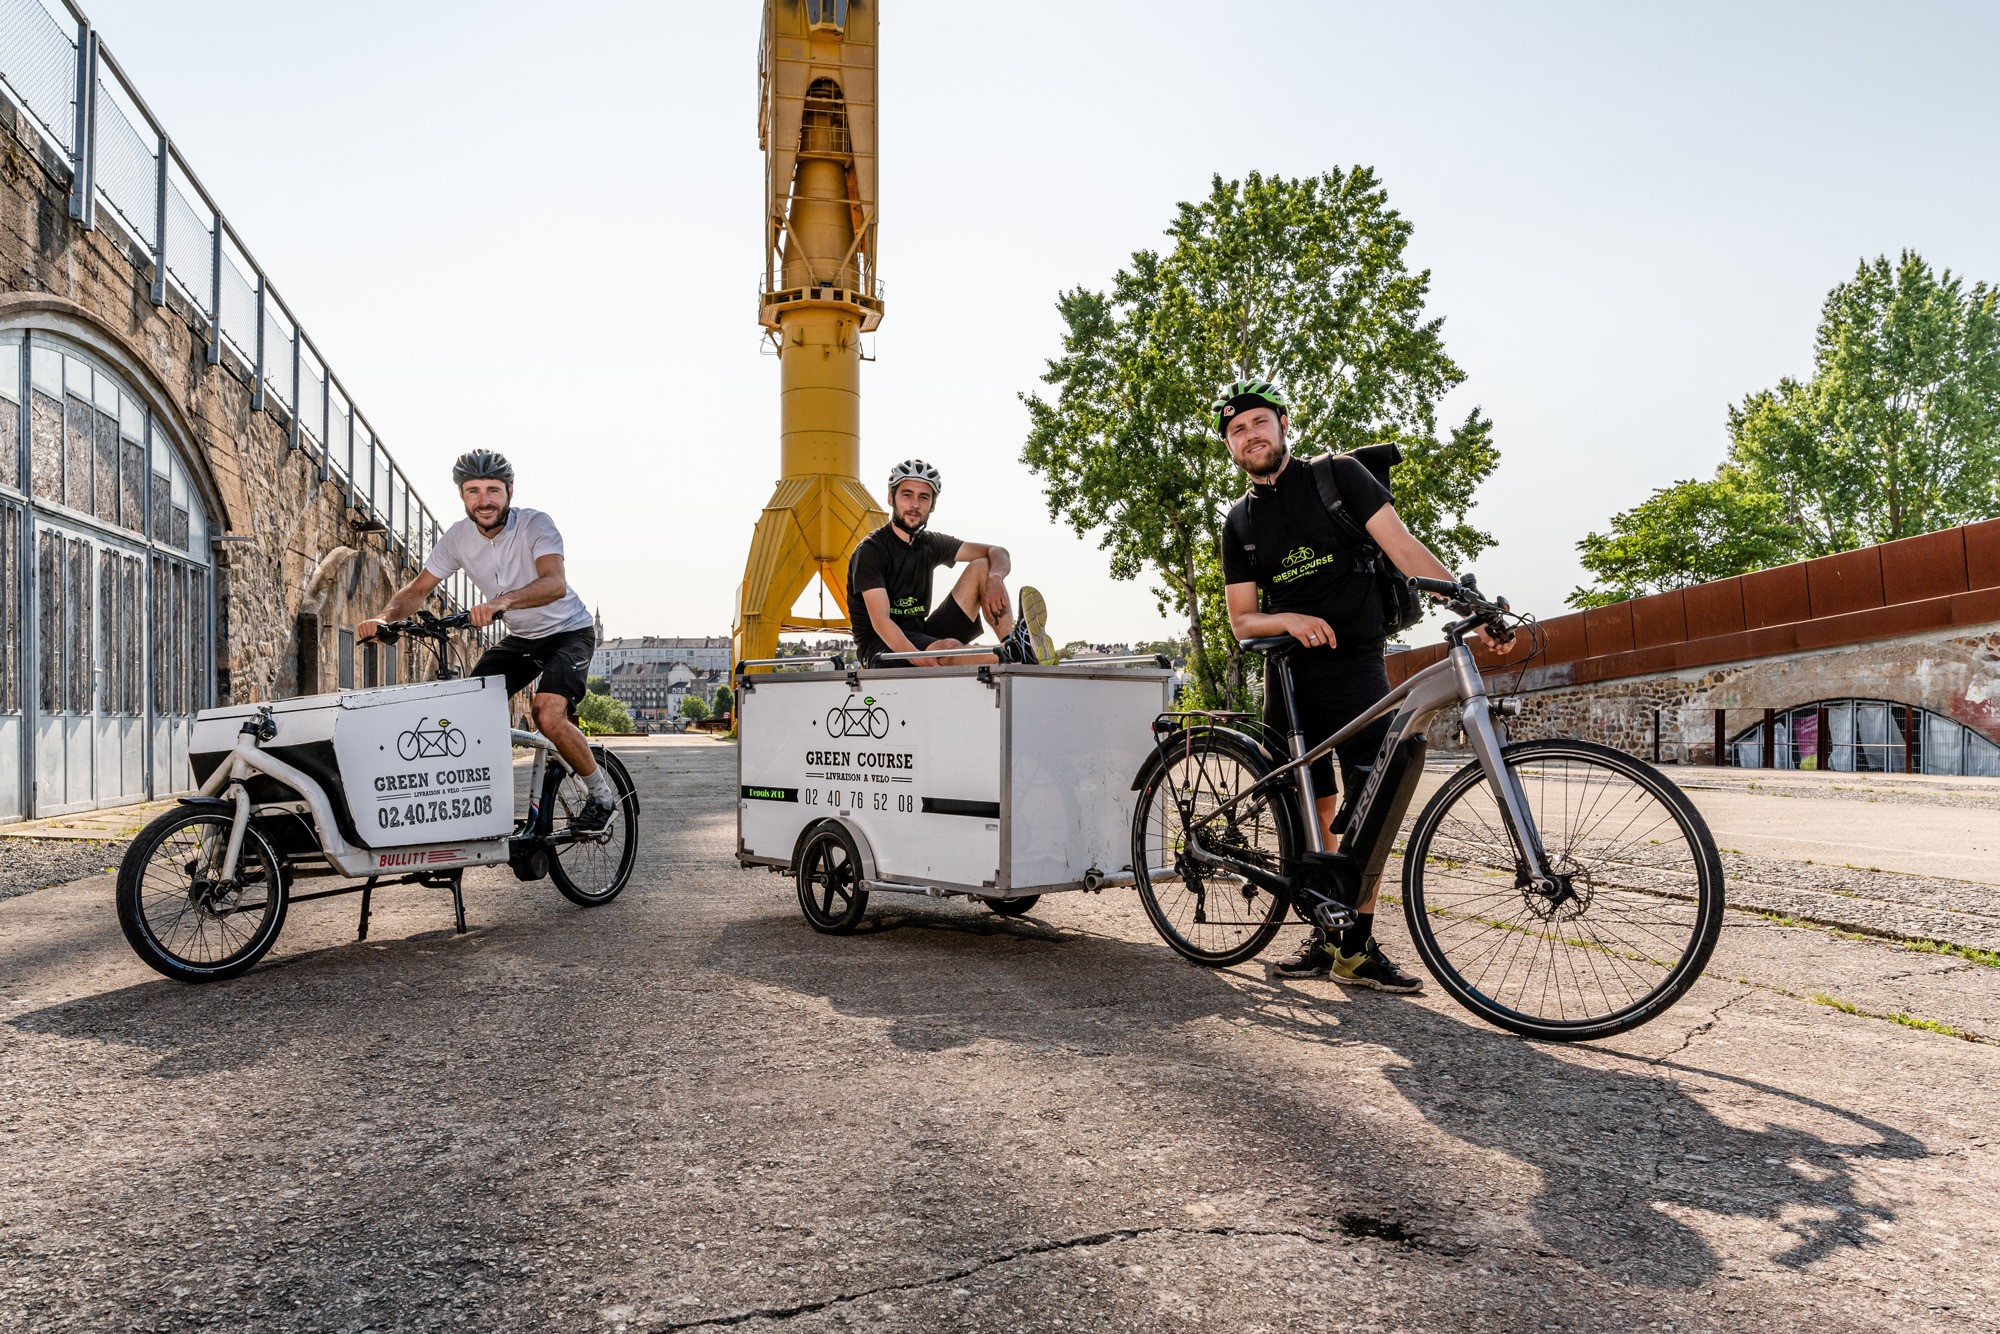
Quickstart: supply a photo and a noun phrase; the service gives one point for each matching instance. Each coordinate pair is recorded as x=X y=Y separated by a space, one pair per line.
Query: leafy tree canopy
x=1299 y=281
x=1684 y=534
x=601 y=713
x=1896 y=433
x=692 y=707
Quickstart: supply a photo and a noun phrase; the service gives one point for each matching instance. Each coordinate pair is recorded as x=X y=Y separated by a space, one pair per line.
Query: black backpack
x=1401 y=608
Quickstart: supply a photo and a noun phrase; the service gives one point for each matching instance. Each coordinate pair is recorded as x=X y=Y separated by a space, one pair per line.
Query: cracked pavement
x=687 y=1111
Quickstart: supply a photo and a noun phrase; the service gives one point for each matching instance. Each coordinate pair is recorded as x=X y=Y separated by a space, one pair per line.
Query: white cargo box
x=427 y=763
x=998 y=781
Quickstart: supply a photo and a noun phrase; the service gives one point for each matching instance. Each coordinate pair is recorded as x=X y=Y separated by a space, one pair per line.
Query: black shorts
x=947 y=622
x=562 y=661
x=1331 y=690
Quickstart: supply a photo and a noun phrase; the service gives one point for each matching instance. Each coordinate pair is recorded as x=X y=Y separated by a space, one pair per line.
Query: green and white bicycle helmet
x=1242 y=395
x=916 y=470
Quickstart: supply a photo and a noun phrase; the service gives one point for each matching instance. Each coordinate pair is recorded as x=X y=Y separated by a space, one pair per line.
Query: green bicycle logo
x=431 y=743
x=1296 y=555
x=864 y=719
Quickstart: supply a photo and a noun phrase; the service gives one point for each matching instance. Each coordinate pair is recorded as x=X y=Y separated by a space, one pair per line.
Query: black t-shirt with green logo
x=1303 y=562
x=903 y=570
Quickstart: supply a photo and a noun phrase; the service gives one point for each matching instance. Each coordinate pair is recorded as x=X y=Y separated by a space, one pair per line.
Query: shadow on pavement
x=1614 y=1149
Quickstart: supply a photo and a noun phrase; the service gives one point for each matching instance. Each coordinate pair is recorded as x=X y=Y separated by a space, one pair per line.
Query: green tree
x=725 y=701
x=1300 y=281
x=1898 y=431
x=601 y=713
x=1684 y=534
x=692 y=707
x=597 y=685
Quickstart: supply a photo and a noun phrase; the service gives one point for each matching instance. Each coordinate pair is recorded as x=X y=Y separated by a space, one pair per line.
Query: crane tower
x=816 y=124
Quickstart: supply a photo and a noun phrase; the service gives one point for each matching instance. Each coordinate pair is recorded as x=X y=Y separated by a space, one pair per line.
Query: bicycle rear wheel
x=593 y=868
x=1630 y=926
x=1207 y=914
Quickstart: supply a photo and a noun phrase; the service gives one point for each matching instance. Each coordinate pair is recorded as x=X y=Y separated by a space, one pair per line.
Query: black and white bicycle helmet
x=918 y=470
x=482 y=463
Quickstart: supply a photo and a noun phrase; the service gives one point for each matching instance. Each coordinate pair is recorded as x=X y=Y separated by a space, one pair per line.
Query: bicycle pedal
x=1332 y=917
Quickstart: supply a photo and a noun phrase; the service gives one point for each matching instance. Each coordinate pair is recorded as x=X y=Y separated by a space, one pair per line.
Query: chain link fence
x=125 y=172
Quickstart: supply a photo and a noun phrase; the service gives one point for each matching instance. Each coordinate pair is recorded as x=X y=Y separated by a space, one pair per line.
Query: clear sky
x=536 y=227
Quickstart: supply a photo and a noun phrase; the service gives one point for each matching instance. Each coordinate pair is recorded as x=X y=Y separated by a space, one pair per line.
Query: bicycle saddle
x=1269 y=644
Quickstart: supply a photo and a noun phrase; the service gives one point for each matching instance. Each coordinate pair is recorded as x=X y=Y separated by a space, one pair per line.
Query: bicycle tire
x=164 y=925
x=1645 y=906
x=1213 y=768
x=828 y=872
x=585 y=871
x=1019 y=907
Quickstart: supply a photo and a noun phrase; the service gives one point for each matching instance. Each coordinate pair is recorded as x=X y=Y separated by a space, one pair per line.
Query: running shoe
x=1369 y=967
x=594 y=816
x=1031 y=624
x=1309 y=960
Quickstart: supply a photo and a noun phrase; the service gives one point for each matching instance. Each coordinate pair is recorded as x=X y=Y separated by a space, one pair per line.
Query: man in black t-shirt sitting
x=1306 y=567
x=889 y=586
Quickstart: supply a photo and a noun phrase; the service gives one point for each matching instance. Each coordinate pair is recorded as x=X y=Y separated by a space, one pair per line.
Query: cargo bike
x=399 y=785
x=994 y=782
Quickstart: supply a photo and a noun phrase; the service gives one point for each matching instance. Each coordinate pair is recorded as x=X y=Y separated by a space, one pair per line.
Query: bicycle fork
x=1484 y=739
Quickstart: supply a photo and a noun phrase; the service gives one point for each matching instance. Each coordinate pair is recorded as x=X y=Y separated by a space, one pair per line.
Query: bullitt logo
x=1296 y=556
x=442 y=741
x=421 y=857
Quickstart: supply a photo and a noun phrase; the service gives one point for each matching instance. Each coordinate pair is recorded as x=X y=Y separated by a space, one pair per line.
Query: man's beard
x=1272 y=470
x=920 y=525
x=500 y=520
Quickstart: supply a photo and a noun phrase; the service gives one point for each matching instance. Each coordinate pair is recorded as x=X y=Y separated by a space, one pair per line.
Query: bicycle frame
x=1414 y=703
x=248 y=757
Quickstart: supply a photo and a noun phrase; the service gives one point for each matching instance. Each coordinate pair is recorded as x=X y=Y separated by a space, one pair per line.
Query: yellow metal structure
x=816 y=122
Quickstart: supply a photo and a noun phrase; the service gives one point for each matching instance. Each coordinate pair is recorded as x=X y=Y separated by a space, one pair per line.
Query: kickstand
x=458 y=898
x=367 y=892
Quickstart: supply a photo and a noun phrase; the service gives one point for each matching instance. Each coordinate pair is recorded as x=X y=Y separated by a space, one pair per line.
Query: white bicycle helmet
x=917 y=470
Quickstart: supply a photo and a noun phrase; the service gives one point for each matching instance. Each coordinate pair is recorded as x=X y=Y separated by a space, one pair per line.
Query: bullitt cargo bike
x=1000 y=783
x=399 y=785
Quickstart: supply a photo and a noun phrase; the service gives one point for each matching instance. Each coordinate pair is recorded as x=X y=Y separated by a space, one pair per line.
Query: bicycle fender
x=209 y=803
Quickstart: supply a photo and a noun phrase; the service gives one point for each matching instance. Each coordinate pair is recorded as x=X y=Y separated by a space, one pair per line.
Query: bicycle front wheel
x=1628 y=928
x=1208 y=914
x=178 y=912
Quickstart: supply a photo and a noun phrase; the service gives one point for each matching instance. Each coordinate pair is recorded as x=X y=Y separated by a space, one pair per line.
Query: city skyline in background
x=546 y=239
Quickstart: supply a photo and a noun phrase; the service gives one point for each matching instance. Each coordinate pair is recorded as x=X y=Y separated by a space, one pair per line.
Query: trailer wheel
x=829 y=874
x=1020 y=907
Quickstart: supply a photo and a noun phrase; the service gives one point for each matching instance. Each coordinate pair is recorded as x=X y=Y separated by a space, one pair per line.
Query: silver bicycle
x=1559 y=888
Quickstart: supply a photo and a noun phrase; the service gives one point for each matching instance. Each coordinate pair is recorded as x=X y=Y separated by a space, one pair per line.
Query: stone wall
x=1956 y=675
x=279 y=523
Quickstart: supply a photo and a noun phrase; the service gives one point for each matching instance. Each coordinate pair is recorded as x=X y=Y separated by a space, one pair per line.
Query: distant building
x=709 y=654
x=654 y=692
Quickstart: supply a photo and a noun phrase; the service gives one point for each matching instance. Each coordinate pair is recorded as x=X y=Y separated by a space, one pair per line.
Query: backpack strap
x=1329 y=496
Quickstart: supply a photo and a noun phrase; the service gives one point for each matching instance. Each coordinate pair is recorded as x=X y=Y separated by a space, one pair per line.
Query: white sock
x=599 y=787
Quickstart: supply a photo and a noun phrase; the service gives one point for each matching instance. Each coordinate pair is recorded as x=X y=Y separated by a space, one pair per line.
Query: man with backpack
x=1310 y=536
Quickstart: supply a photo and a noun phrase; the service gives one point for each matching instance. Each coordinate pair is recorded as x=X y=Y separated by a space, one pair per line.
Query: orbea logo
x=1297 y=555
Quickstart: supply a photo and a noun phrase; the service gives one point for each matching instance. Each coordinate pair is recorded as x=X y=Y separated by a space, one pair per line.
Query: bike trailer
x=1000 y=782
x=400 y=765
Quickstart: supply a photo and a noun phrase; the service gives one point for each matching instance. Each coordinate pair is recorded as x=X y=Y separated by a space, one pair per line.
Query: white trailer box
x=999 y=781
x=428 y=763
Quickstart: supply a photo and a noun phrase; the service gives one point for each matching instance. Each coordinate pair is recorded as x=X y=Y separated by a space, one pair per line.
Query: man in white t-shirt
x=515 y=558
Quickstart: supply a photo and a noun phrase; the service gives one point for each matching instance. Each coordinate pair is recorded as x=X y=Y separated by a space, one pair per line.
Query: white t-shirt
x=506 y=561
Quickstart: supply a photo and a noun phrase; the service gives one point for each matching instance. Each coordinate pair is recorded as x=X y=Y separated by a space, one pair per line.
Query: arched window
x=106 y=593
x=1868 y=736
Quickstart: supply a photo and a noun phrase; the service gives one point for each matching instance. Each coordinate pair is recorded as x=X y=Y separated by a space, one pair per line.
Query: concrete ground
x=686 y=1110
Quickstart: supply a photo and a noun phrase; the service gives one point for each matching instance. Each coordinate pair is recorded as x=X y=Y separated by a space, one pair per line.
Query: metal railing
x=121 y=157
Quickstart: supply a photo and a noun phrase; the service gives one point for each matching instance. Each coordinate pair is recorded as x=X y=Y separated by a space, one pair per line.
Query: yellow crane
x=816 y=124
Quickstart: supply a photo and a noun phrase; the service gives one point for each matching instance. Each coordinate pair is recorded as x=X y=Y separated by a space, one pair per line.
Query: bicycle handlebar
x=426 y=626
